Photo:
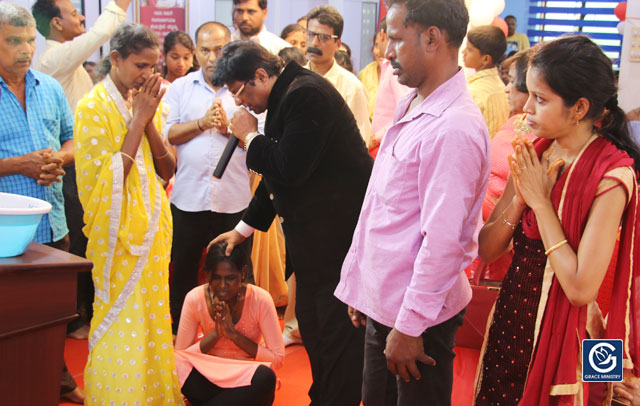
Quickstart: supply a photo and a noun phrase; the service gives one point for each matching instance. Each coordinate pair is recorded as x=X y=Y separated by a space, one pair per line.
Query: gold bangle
x=555 y=247
x=128 y=156
x=507 y=222
x=160 y=157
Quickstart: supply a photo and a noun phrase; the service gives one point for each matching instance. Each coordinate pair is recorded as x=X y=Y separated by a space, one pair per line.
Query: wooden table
x=37 y=300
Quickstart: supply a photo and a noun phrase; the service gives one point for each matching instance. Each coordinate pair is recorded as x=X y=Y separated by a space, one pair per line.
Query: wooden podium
x=37 y=300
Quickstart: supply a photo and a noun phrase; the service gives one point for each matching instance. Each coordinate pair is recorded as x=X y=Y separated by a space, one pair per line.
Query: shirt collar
x=439 y=100
x=199 y=79
x=29 y=77
x=483 y=73
x=331 y=73
x=282 y=84
x=52 y=42
x=262 y=32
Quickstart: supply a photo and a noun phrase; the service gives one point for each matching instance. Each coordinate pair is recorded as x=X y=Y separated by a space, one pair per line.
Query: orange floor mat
x=295 y=375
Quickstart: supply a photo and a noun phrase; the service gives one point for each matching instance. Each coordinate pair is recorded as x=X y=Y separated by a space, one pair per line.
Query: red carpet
x=295 y=375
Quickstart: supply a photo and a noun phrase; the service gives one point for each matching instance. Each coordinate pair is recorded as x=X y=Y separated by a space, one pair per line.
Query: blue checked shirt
x=47 y=123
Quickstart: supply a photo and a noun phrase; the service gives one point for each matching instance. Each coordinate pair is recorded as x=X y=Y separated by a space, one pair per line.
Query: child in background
x=485 y=46
x=178 y=55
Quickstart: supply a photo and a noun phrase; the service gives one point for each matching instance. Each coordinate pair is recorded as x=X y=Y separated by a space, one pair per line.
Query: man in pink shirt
x=417 y=228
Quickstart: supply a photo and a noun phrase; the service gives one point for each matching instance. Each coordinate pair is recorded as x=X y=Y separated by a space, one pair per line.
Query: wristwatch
x=250 y=138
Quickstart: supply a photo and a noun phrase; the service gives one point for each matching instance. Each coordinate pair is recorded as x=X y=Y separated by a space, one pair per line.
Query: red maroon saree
x=555 y=373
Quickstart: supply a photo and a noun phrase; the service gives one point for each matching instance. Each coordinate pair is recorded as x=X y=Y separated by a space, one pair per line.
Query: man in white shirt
x=248 y=18
x=324 y=29
x=202 y=206
x=68 y=46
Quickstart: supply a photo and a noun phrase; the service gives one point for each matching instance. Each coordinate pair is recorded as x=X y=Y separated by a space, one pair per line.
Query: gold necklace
x=566 y=163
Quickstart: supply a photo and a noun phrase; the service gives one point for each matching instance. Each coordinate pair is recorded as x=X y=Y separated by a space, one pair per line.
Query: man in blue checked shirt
x=36 y=125
x=36 y=136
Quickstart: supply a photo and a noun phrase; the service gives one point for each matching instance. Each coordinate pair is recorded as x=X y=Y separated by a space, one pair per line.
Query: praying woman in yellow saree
x=120 y=157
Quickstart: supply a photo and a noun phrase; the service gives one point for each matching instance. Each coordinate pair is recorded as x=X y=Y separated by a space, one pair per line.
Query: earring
x=577 y=123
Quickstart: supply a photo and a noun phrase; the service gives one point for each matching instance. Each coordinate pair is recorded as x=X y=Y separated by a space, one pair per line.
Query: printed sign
x=602 y=360
x=162 y=16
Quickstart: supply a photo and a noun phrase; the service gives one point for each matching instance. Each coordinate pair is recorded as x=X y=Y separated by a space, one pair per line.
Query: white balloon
x=620 y=27
x=481 y=13
x=498 y=7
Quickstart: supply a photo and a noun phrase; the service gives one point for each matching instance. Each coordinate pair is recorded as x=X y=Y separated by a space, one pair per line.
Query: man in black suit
x=315 y=169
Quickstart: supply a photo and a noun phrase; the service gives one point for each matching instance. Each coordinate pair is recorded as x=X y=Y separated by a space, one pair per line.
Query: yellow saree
x=268 y=257
x=129 y=227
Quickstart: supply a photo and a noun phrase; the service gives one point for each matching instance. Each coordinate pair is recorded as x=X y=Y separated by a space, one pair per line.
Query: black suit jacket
x=315 y=169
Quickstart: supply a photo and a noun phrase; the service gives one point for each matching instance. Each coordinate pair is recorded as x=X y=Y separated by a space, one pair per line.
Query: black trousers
x=202 y=392
x=382 y=388
x=192 y=232
x=334 y=345
x=74 y=213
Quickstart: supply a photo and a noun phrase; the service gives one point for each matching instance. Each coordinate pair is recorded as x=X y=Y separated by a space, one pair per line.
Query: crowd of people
x=357 y=201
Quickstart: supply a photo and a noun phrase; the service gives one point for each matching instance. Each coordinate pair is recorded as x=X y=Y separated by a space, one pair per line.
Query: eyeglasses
x=321 y=37
x=236 y=95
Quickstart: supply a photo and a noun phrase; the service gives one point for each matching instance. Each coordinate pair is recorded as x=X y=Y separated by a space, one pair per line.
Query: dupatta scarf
x=555 y=373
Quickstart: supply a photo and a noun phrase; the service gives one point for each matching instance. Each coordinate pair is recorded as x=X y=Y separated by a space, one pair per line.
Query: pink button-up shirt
x=418 y=226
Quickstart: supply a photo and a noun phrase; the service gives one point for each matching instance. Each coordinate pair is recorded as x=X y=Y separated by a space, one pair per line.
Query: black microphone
x=232 y=143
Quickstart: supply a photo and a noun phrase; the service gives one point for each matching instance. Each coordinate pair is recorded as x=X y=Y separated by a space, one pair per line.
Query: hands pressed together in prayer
x=533 y=178
x=43 y=165
x=215 y=117
x=222 y=317
x=147 y=98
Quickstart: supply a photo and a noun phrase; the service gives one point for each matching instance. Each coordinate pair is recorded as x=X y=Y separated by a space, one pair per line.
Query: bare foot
x=80 y=334
x=290 y=340
x=75 y=396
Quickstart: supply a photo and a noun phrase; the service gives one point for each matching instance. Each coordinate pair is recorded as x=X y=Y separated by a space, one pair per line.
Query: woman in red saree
x=568 y=195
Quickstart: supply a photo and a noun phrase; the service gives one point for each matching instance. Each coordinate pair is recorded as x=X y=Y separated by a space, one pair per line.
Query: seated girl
x=242 y=337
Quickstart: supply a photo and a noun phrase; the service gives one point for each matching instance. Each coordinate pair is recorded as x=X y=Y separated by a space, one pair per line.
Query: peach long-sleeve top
x=226 y=365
